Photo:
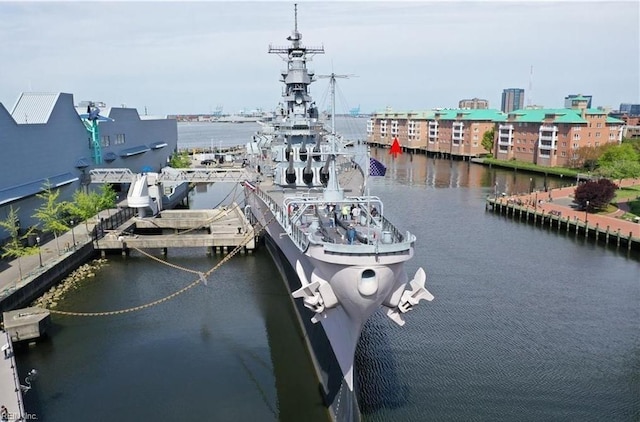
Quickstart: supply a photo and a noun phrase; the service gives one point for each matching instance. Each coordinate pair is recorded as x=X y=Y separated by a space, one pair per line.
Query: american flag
x=376 y=168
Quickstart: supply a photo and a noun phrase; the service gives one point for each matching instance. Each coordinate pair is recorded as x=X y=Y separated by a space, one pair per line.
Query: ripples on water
x=526 y=325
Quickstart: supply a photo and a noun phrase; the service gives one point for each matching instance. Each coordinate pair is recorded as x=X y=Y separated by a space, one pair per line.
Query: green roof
x=614 y=120
x=561 y=115
x=579 y=98
x=446 y=114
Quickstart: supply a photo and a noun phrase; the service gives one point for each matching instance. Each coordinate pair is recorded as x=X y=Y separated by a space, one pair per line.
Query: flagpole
x=366 y=184
x=368 y=164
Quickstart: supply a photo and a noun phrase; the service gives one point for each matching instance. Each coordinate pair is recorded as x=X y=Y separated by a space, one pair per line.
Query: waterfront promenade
x=15 y=275
x=29 y=266
x=10 y=390
x=559 y=202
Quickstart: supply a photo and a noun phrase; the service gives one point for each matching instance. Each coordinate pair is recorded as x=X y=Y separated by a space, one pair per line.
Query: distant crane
x=355 y=112
x=90 y=120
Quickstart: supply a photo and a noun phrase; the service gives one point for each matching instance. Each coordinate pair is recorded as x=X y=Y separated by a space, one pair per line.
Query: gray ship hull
x=341 y=401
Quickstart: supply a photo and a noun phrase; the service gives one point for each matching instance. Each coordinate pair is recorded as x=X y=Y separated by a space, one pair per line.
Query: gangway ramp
x=168 y=174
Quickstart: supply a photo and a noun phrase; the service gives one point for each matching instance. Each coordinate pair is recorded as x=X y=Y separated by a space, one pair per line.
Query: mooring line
x=202 y=278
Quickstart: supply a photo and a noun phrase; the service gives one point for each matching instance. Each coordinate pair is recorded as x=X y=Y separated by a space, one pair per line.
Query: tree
x=180 y=160
x=598 y=193
x=15 y=247
x=50 y=213
x=620 y=162
x=85 y=205
x=587 y=157
x=487 y=140
x=107 y=197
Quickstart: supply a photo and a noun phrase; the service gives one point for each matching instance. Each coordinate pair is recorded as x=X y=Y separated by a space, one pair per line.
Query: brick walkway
x=560 y=200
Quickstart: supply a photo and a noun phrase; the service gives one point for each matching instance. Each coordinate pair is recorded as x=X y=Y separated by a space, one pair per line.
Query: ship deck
x=331 y=225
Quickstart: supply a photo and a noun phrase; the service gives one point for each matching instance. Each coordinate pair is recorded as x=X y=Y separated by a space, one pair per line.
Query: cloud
x=188 y=57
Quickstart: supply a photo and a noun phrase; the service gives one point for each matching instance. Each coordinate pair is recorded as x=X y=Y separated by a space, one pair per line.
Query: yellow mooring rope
x=202 y=278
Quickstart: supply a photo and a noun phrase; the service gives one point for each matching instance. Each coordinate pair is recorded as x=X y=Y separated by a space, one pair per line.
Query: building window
x=106 y=141
x=120 y=139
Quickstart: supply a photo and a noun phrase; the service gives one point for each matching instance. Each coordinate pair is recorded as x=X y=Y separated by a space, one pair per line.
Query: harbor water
x=526 y=325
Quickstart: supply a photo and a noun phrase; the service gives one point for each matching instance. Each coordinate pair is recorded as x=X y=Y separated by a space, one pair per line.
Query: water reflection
x=419 y=169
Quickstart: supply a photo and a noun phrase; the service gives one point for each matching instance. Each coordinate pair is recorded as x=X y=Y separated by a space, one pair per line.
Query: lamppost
x=530 y=184
x=73 y=235
x=586 y=213
x=495 y=192
x=39 y=250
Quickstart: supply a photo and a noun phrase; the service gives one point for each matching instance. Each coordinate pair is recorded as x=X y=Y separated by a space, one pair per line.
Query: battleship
x=340 y=257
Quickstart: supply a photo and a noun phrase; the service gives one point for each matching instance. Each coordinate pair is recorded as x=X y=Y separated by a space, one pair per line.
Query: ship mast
x=297 y=78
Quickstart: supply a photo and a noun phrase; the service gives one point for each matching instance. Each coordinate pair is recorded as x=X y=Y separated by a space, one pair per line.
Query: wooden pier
x=219 y=229
x=556 y=221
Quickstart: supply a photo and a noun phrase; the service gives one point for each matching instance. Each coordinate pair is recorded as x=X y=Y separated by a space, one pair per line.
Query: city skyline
x=190 y=58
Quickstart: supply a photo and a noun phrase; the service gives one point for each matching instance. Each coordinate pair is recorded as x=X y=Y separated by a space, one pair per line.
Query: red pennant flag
x=395 y=147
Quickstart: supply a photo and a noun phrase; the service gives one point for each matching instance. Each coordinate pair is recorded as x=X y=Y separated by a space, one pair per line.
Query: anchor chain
x=202 y=278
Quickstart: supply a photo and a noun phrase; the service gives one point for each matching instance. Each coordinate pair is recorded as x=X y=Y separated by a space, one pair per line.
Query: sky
x=165 y=57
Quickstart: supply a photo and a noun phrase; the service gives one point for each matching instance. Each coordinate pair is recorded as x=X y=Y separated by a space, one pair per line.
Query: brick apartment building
x=451 y=132
x=550 y=137
x=547 y=137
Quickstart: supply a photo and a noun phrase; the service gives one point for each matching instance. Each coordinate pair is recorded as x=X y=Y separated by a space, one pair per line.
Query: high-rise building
x=630 y=109
x=512 y=99
x=474 y=104
x=568 y=100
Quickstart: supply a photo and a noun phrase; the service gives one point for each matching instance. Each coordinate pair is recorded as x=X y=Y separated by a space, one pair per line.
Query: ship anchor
x=410 y=297
x=317 y=295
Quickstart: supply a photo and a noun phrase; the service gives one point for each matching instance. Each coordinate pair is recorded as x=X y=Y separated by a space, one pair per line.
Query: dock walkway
x=10 y=390
x=556 y=208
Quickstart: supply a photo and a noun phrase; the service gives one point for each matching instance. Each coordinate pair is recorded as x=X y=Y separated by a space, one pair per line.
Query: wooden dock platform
x=599 y=228
x=220 y=229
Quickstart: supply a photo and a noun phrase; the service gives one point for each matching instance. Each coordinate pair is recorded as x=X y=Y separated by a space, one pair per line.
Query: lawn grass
x=525 y=166
x=628 y=192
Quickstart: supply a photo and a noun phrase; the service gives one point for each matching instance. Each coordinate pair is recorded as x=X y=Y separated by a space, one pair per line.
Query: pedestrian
x=345 y=211
x=4 y=413
x=355 y=212
x=351 y=234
